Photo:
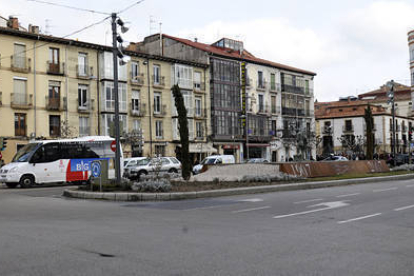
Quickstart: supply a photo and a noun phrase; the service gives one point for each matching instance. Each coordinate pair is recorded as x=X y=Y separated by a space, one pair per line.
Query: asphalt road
x=351 y=230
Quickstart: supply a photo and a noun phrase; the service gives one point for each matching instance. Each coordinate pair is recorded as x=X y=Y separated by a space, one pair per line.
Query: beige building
x=52 y=87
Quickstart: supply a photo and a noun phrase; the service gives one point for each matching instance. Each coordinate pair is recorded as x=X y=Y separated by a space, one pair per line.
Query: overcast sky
x=354 y=46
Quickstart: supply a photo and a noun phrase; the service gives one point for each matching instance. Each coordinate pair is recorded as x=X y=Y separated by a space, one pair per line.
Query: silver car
x=150 y=165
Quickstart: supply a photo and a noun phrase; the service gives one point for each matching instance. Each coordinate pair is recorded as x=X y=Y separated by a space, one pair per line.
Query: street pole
x=393 y=133
x=115 y=58
x=149 y=107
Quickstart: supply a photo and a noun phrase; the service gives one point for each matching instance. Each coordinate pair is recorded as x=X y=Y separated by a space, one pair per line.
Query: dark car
x=400 y=159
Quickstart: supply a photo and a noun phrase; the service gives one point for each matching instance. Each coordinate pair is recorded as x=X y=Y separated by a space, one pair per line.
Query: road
x=352 y=230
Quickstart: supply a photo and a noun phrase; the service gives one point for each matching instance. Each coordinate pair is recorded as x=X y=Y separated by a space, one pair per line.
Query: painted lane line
x=329 y=206
x=359 y=218
x=410 y=186
x=306 y=201
x=384 y=190
x=251 y=209
x=348 y=195
x=251 y=200
x=404 y=208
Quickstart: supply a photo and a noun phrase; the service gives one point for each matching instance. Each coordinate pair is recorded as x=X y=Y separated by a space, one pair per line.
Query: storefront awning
x=201 y=147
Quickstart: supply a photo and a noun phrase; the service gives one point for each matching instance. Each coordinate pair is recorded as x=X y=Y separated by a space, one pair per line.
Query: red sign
x=113 y=146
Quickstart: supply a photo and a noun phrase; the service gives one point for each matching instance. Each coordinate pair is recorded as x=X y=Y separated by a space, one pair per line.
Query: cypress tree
x=183 y=129
x=369 y=122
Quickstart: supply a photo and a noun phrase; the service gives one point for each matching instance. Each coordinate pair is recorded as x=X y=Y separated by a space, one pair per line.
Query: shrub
x=161 y=185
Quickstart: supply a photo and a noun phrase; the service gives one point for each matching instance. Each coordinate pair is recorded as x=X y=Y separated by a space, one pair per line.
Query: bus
x=58 y=161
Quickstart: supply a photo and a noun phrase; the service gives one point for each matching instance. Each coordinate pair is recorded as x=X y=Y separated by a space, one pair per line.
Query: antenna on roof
x=47 y=26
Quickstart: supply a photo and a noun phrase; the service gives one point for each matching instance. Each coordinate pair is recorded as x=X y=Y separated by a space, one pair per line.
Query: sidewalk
x=131 y=196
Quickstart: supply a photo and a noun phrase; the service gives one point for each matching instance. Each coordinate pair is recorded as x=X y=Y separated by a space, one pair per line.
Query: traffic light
x=390 y=92
x=1 y=143
x=410 y=135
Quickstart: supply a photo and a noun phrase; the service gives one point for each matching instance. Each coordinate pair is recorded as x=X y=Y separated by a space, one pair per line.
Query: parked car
x=213 y=160
x=258 y=160
x=149 y=165
x=400 y=159
x=335 y=158
x=130 y=163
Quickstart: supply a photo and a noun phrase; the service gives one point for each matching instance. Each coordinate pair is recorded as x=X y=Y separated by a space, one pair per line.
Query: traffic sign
x=96 y=168
x=113 y=146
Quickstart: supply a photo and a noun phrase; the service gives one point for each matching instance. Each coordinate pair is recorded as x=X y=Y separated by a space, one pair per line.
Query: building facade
x=247 y=97
x=52 y=88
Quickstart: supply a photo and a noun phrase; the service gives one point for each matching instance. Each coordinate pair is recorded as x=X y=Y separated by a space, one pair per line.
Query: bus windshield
x=23 y=154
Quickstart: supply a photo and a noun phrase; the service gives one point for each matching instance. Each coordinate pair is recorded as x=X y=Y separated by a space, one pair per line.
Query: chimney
x=33 y=29
x=195 y=39
x=13 y=23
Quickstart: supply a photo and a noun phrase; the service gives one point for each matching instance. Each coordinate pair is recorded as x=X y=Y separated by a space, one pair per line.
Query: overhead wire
x=69 y=7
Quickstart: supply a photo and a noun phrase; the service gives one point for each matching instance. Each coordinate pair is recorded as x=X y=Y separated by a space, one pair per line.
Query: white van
x=213 y=160
x=63 y=160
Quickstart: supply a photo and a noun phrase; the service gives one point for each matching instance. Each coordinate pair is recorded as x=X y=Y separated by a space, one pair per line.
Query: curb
x=227 y=192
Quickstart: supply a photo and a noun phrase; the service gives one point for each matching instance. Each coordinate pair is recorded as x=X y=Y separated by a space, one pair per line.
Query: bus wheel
x=26 y=181
x=11 y=185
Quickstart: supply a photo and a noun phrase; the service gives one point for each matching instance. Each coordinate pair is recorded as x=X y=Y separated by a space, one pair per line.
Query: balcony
x=137 y=80
x=308 y=92
x=158 y=82
x=20 y=64
x=199 y=87
x=84 y=71
x=261 y=85
x=160 y=110
x=275 y=110
x=55 y=68
x=288 y=111
x=138 y=111
x=374 y=128
x=293 y=89
x=21 y=101
x=56 y=104
x=200 y=113
x=263 y=109
x=85 y=107
x=274 y=87
x=348 y=129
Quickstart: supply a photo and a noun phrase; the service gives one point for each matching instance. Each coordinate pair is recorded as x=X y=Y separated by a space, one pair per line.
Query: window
x=136 y=125
x=272 y=81
x=49 y=152
x=20 y=124
x=157 y=74
x=134 y=70
x=19 y=58
x=83 y=96
x=198 y=106
x=54 y=95
x=199 y=130
x=348 y=125
x=135 y=101
x=197 y=80
x=84 y=127
x=273 y=130
x=159 y=150
x=82 y=64
x=54 y=61
x=188 y=102
x=158 y=129
x=109 y=99
x=54 y=125
x=273 y=103
x=261 y=102
x=20 y=94
x=184 y=76
x=157 y=103
x=260 y=82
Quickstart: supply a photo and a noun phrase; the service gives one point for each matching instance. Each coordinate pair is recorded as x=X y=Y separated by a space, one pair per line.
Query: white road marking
x=348 y=195
x=251 y=209
x=329 y=205
x=384 y=190
x=360 y=218
x=306 y=201
x=410 y=186
x=404 y=208
x=251 y=200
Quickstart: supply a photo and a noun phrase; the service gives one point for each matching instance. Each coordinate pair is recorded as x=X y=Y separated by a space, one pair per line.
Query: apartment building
x=244 y=86
x=411 y=53
x=341 y=127
x=53 y=88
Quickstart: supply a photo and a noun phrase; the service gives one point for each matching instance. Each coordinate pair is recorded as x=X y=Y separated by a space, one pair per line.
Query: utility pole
x=117 y=53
